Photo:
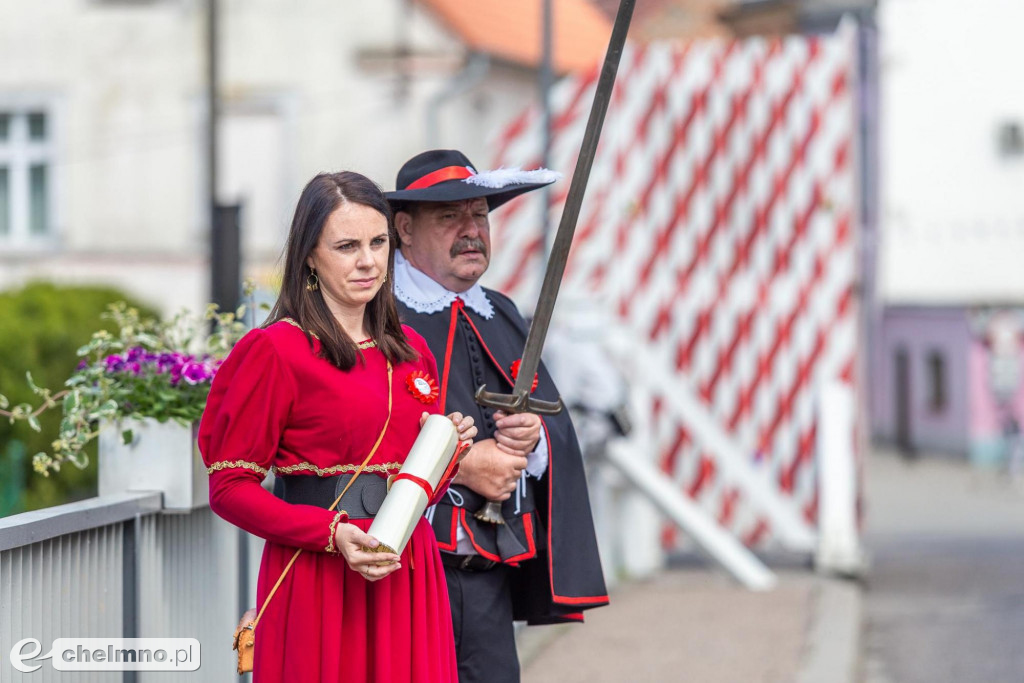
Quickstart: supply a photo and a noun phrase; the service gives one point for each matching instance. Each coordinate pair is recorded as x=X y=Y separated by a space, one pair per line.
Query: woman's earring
x=312 y=281
x=385 y=278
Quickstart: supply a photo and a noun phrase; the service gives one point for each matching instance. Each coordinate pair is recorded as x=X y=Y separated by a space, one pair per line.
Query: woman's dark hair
x=320 y=198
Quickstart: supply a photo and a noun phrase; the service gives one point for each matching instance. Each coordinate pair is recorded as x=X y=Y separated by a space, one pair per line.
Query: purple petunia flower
x=177 y=366
x=194 y=372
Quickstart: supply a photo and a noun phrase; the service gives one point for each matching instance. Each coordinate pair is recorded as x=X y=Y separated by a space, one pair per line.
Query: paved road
x=689 y=624
x=945 y=594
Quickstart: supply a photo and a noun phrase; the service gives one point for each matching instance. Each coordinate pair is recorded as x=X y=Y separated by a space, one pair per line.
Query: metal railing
x=114 y=567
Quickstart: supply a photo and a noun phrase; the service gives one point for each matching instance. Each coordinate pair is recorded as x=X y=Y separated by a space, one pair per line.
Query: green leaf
x=31 y=384
x=127 y=436
x=33 y=422
x=4 y=402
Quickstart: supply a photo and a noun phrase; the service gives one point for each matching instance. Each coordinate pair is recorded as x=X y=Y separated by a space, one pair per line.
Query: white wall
x=304 y=90
x=952 y=207
x=124 y=81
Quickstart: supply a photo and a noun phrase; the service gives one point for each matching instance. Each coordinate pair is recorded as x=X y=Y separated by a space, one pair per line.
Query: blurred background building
x=104 y=158
x=946 y=375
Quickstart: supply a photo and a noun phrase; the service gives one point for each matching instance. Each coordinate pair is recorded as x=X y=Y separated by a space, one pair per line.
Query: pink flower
x=194 y=372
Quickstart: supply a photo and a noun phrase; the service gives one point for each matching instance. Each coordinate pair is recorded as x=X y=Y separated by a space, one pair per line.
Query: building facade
x=950 y=285
x=103 y=142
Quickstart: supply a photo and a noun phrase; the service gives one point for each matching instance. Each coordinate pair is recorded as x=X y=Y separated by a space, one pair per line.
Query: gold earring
x=385 y=278
x=312 y=281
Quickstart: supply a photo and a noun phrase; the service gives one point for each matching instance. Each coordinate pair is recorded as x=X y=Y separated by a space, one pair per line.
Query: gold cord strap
x=337 y=500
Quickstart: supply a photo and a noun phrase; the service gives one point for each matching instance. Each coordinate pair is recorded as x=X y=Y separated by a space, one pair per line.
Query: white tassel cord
x=503 y=177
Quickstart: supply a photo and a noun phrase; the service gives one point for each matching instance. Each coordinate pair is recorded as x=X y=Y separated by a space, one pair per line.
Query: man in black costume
x=540 y=563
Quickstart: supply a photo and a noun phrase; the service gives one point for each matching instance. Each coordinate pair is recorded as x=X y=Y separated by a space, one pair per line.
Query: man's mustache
x=468 y=244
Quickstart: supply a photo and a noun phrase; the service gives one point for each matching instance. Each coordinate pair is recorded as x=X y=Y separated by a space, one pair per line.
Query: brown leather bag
x=245 y=632
x=245 y=640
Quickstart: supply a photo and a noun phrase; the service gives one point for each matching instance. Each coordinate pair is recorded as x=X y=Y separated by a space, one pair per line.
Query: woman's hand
x=467 y=431
x=464 y=425
x=350 y=540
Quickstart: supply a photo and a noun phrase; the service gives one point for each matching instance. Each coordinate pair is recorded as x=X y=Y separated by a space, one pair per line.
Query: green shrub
x=41 y=327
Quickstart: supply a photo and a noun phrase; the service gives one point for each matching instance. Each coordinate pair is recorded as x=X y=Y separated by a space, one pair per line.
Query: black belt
x=362 y=500
x=468 y=563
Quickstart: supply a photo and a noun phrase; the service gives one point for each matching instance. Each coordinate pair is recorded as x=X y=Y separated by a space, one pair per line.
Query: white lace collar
x=419 y=292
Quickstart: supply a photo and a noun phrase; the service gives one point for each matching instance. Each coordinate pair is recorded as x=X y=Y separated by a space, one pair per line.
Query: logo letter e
x=18 y=657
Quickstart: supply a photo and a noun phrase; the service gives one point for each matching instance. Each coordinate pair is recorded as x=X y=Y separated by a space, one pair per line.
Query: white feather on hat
x=503 y=177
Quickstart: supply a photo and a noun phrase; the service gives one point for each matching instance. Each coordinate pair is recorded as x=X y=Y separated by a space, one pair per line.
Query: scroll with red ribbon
x=430 y=461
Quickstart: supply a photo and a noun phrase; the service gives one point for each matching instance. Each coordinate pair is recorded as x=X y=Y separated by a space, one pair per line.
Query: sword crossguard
x=518 y=403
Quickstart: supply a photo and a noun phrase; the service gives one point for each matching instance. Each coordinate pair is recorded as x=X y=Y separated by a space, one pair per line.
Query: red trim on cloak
x=582 y=600
x=531 y=550
x=479 y=337
x=555 y=597
x=454 y=537
x=457 y=306
x=469 y=533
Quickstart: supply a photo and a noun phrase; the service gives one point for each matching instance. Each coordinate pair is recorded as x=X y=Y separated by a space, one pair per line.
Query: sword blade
x=573 y=202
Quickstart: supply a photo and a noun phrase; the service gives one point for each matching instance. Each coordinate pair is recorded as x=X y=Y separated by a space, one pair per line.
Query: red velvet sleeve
x=245 y=415
x=429 y=364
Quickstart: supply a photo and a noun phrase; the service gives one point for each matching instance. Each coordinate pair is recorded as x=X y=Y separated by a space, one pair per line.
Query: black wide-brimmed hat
x=446 y=175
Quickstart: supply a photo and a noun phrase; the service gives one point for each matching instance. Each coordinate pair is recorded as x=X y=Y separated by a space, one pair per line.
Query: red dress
x=274 y=403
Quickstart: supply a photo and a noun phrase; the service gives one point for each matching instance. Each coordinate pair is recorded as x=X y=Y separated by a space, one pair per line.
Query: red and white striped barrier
x=719 y=233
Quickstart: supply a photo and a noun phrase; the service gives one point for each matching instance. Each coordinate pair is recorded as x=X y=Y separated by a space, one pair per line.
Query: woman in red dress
x=308 y=396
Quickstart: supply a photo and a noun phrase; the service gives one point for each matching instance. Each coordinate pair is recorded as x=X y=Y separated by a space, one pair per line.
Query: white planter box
x=161 y=457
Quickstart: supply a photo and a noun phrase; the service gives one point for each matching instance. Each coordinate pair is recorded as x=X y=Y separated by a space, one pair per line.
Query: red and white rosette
x=431 y=459
x=422 y=386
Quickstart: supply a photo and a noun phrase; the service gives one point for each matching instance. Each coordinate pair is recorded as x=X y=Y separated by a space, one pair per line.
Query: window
x=1010 y=139
x=937 y=389
x=5 y=201
x=26 y=177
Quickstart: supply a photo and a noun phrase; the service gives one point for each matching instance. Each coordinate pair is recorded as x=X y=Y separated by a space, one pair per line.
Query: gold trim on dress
x=336 y=469
x=244 y=464
x=334 y=525
x=363 y=345
x=295 y=324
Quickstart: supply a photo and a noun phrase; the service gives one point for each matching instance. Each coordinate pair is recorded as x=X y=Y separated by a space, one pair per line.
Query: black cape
x=550 y=534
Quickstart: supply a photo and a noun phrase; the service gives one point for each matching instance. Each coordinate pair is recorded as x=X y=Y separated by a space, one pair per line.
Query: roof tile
x=511 y=29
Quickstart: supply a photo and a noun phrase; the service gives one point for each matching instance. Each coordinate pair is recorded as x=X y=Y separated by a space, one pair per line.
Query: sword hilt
x=520 y=402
